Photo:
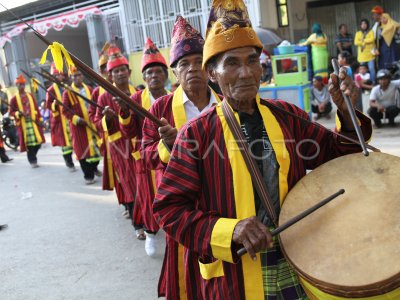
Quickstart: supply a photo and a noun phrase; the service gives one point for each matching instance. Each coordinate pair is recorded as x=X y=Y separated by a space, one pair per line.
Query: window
x=283 y=17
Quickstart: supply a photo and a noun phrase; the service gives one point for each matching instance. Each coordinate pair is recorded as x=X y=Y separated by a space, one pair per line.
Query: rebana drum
x=350 y=248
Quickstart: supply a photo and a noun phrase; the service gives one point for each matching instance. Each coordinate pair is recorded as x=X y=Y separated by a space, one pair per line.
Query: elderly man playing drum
x=208 y=200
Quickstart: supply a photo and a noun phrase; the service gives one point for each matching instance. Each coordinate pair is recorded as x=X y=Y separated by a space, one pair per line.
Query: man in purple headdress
x=190 y=99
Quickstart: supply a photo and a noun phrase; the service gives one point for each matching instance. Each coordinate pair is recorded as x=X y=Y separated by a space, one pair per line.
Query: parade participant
x=3 y=101
x=59 y=127
x=109 y=181
x=99 y=90
x=24 y=108
x=83 y=139
x=191 y=98
x=3 y=156
x=155 y=74
x=206 y=199
x=117 y=147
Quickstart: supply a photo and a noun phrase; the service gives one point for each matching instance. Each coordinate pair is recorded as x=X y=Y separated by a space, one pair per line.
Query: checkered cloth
x=68 y=149
x=280 y=281
x=30 y=134
x=97 y=156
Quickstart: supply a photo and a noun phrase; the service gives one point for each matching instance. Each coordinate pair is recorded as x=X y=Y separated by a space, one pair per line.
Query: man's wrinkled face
x=155 y=77
x=189 y=72
x=120 y=75
x=238 y=73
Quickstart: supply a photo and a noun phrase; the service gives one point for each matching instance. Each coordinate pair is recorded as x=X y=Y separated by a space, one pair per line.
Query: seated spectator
x=344 y=61
x=320 y=99
x=384 y=100
x=363 y=78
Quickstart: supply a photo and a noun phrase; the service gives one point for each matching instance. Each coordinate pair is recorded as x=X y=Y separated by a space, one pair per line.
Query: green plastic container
x=290 y=69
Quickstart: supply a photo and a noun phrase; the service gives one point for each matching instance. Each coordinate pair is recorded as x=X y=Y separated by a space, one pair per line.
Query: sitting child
x=362 y=78
x=344 y=58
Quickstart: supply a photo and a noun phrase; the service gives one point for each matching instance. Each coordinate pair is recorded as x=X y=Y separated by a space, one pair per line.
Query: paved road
x=67 y=240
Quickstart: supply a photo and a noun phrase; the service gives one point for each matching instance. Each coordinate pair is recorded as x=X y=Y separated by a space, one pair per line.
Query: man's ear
x=211 y=74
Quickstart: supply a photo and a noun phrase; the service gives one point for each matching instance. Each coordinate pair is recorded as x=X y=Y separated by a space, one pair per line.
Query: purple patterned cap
x=185 y=40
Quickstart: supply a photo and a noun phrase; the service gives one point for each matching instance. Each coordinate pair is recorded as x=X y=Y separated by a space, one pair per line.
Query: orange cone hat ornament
x=185 y=40
x=115 y=58
x=229 y=27
x=20 y=79
x=151 y=55
x=72 y=70
x=103 y=59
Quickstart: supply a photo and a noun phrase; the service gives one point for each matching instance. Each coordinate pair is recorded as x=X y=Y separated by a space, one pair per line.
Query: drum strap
x=255 y=173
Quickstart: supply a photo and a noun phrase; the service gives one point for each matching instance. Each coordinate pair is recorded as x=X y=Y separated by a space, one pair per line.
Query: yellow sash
x=33 y=117
x=108 y=139
x=62 y=117
x=243 y=188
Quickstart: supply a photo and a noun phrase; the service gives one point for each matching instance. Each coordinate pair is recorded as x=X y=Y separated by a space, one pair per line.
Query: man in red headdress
x=119 y=149
x=83 y=138
x=59 y=127
x=109 y=181
x=24 y=108
x=206 y=200
x=155 y=74
x=191 y=98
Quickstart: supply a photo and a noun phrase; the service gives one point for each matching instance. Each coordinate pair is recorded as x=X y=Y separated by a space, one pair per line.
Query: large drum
x=349 y=248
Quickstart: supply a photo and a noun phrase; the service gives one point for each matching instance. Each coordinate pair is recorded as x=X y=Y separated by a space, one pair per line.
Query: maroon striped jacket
x=120 y=148
x=131 y=129
x=79 y=135
x=197 y=188
x=168 y=285
x=56 y=130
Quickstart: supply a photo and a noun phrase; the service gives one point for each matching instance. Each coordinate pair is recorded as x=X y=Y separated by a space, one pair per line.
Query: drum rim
x=375 y=289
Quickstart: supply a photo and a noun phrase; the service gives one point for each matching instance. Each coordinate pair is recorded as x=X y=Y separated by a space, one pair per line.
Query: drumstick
x=297 y=218
x=351 y=111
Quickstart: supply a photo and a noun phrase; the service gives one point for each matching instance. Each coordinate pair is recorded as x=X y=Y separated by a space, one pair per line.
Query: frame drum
x=350 y=248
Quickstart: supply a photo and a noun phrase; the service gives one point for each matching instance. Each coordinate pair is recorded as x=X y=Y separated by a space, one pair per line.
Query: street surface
x=67 y=240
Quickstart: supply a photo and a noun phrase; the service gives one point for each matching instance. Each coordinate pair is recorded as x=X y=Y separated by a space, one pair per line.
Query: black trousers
x=328 y=109
x=88 y=168
x=129 y=208
x=391 y=113
x=68 y=160
x=3 y=155
x=31 y=152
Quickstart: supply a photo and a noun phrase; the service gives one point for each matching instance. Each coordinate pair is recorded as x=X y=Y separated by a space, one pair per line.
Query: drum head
x=351 y=246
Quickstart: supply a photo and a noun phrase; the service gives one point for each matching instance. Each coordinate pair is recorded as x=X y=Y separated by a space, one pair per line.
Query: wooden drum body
x=349 y=248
